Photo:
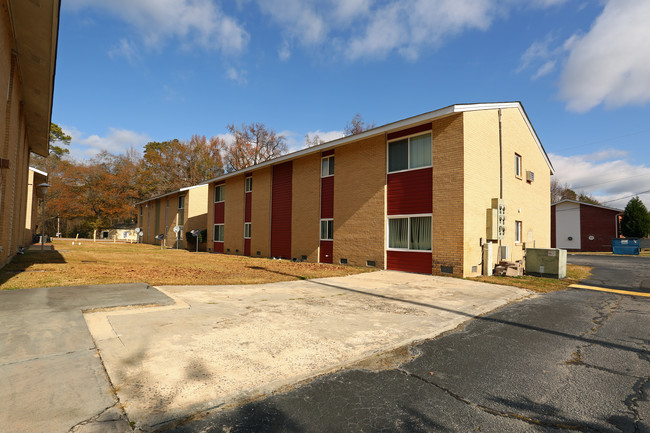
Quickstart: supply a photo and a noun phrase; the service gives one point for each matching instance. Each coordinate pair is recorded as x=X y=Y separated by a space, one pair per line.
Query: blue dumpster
x=628 y=247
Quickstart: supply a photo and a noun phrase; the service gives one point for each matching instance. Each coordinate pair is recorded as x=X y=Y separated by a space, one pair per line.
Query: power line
x=607 y=139
x=610 y=181
x=628 y=196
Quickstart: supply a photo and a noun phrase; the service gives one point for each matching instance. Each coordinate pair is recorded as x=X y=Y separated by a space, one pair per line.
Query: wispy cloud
x=125 y=49
x=193 y=22
x=116 y=141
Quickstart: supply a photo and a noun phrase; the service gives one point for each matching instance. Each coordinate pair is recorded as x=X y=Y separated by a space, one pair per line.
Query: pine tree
x=636 y=220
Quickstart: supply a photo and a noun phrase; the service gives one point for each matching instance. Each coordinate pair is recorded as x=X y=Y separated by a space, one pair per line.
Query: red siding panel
x=281 y=210
x=247 y=247
x=407 y=261
x=327 y=197
x=553 y=230
x=219 y=211
x=599 y=223
x=410 y=192
x=247 y=207
x=217 y=247
x=326 y=251
x=410 y=131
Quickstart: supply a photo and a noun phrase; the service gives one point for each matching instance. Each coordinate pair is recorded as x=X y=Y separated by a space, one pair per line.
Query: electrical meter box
x=546 y=262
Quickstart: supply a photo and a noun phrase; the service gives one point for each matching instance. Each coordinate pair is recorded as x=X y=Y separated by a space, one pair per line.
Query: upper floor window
x=181 y=202
x=409 y=153
x=248 y=184
x=517 y=165
x=219 y=193
x=327 y=166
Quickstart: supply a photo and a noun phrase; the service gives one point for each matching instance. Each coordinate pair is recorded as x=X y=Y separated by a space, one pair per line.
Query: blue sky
x=133 y=71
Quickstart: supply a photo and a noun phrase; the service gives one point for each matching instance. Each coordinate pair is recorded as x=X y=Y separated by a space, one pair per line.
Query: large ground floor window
x=218 y=233
x=410 y=233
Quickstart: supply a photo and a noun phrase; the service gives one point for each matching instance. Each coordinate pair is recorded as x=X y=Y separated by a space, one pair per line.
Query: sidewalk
x=211 y=347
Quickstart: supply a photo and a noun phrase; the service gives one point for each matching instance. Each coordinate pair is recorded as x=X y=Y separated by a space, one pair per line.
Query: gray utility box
x=546 y=262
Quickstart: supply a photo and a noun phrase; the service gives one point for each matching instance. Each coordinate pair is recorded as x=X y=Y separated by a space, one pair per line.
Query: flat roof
x=400 y=124
x=587 y=204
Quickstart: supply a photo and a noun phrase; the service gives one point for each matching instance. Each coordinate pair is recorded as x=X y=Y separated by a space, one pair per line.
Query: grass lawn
x=109 y=263
x=574 y=273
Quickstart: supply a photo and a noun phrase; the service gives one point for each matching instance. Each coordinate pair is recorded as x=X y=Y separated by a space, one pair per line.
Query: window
x=181 y=201
x=517 y=232
x=247 y=230
x=218 y=233
x=141 y=210
x=248 y=184
x=327 y=167
x=410 y=233
x=409 y=153
x=517 y=165
x=326 y=230
x=218 y=193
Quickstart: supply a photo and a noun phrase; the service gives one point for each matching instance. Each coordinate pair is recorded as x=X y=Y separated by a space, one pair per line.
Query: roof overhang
x=396 y=126
x=566 y=200
x=178 y=191
x=35 y=28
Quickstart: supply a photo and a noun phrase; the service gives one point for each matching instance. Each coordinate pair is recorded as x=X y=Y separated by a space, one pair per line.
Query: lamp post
x=43 y=186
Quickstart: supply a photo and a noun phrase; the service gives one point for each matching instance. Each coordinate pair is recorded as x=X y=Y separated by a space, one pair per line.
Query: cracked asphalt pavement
x=575 y=360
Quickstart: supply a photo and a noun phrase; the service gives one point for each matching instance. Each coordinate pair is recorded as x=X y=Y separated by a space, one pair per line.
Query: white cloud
x=125 y=49
x=610 y=64
x=117 y=141
x=606 y=175
x=325 y=136
x=238 y=76
x=193 y=22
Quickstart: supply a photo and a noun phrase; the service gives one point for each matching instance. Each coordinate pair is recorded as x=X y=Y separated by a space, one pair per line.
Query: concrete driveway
x=215 y=347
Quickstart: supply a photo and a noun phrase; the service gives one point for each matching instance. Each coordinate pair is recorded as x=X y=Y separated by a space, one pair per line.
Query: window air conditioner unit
x=530 y=176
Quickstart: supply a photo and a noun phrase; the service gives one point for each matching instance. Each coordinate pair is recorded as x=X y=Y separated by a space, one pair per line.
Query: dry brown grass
x=575 y=274
x=109 y=263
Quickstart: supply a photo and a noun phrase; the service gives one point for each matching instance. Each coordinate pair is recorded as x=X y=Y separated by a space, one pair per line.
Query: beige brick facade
x=305 y=217
x=359 y=202
x=470 y=149
x=448 y=196
x=26 y=78
x=234 y=220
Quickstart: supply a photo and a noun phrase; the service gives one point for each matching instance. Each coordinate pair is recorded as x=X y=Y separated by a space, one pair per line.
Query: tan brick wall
x=448 y=194
x=359 y=197
x=481 y=183
x=261 y=213
x=234 y=218
x=305 y=215
x=526 y=202
x=196 y=213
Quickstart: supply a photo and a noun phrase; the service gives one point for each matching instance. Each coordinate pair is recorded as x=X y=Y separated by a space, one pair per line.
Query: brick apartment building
x=414 y=195
x=577 y=226
x=186 y=208
x=28 y=33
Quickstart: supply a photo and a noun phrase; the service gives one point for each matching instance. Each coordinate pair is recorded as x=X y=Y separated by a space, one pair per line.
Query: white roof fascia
x=566 y=200
x=169 y=193
x=36 y=170
x=400 y=124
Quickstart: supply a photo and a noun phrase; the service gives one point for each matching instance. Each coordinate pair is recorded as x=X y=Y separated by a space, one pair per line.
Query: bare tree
x=313 y=140
x=357 y=125
x=253 y=144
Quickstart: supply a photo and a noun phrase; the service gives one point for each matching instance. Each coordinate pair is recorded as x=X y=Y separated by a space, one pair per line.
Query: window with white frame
x=219 y=193
x=181 y=201
x=327 y=167
x=409 y=153
x=326 y=229
x=517 y=165
x=247 y=230
x=410 y=233
x=248 y=184
x=518 y=232
x=218 y=233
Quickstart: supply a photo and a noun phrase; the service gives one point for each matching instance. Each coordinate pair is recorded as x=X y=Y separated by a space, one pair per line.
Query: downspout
x=500 y=173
